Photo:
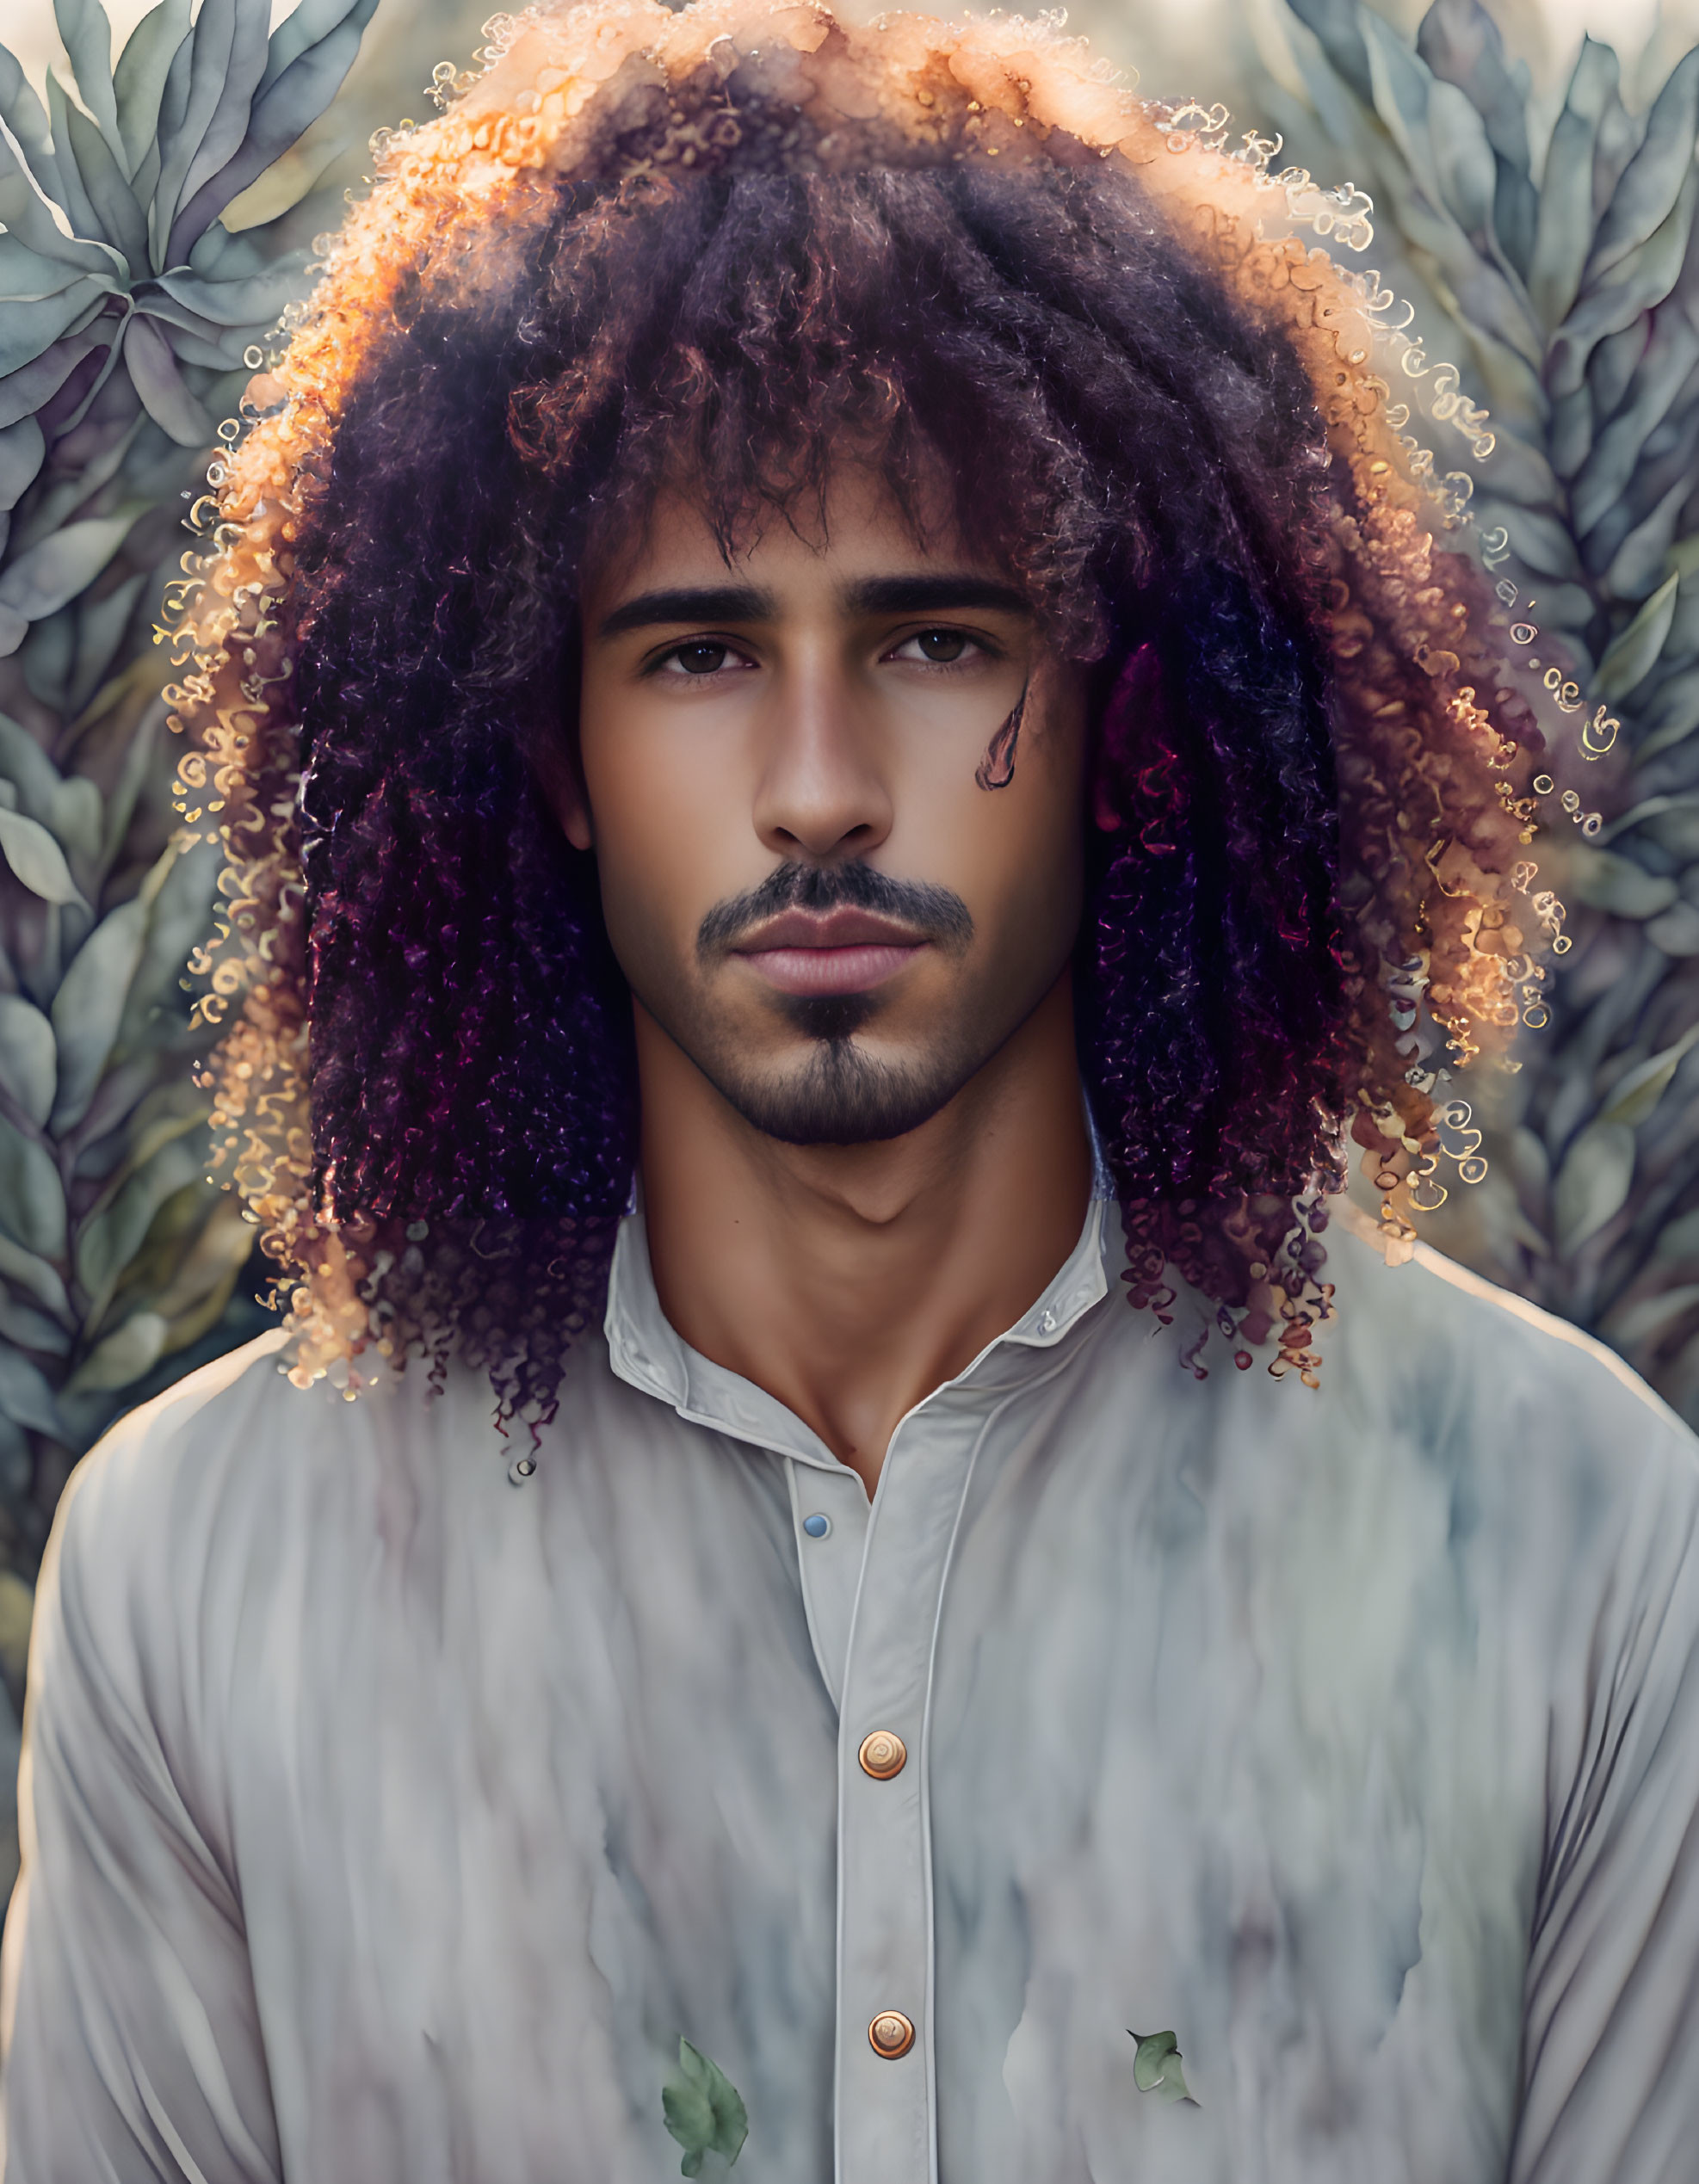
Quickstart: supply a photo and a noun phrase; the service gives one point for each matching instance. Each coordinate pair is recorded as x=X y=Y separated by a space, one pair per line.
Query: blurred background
x=1206 y=49
x=1533 y=172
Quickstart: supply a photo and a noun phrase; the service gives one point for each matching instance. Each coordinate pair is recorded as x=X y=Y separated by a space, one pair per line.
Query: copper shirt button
x=883 y=1755
x=891 y=2034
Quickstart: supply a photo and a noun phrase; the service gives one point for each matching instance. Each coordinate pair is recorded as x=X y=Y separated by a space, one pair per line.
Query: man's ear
x=572 y=808
x=554 y=761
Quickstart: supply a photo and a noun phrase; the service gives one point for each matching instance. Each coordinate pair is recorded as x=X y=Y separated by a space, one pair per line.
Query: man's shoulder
x=201 y=1457
x=235 y=1458
x=1427 y=1338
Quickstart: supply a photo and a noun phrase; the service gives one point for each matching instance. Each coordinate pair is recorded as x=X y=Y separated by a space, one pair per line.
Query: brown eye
x=702 y=657
x=942 y=644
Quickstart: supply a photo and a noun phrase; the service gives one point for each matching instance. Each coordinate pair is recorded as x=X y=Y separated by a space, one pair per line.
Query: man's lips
x=836 y=951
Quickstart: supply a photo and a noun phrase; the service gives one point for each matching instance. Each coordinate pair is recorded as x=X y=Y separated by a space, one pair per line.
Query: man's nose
x=823 y=790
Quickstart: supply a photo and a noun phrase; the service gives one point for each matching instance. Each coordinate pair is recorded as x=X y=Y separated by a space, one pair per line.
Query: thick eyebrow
x=942 y=594
x=691 y=603
x=915 y=594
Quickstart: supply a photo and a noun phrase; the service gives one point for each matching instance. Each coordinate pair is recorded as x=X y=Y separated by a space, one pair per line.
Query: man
x=835 y=701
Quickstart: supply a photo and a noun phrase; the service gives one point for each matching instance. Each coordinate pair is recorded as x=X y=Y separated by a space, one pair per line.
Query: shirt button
x=891 y=2034
x=816 y=1526
x=883 y=1755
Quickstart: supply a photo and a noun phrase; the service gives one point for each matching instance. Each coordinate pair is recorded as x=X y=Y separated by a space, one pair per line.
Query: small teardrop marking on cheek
x=997 y=768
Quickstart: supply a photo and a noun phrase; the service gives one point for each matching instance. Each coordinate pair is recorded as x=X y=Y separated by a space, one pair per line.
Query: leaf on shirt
x=704 y=2110
x=1156 y=2067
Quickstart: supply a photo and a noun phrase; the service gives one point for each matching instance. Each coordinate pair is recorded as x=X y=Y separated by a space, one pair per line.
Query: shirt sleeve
x=1611 y=2055
x=127 y=2016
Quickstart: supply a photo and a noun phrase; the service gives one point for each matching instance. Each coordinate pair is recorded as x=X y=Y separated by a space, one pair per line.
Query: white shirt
x=387 y=1821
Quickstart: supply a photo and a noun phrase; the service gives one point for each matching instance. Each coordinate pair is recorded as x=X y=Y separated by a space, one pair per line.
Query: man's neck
x=849 y=1281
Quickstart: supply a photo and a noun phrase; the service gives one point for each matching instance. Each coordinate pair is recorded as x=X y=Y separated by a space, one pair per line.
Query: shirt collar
x=646 y=1351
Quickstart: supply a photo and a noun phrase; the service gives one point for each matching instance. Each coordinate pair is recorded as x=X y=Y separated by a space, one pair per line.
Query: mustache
x=937 y=913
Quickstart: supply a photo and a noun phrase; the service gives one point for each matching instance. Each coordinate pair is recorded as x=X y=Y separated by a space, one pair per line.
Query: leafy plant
x=1156 y=2067
x=129 y=315
x=1566 y=274
x=704 y=2111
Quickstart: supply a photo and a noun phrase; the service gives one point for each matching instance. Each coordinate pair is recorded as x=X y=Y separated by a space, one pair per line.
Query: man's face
x=805 y=884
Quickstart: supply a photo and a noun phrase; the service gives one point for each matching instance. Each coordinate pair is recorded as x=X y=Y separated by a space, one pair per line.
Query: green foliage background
x=156 y=212
x=1553 y=254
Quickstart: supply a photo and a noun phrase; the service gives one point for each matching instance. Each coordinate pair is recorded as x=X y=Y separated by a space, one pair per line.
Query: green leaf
x=24 y=115
x=255 y=300
x=1663 y=371
x=281 y=117
x=111 y=200
x=1617 y=884
x=1516 y=472
x=1643 y=200
x=28 y=766
x=54 y=572
x=29 y=330
x=121 y=1356
x=110 y=1238
x=25 y=1271
x=89 y=1004
x=1616 y=298
x=1464 y=167
x=33 y=385
x=1540 y=542
x=1462 y=44
x=1592 y=1184
x=31 y=1329
x=1638 y=1092
x=1672 y=716
x=1675 y=930
x=28 y=1058
x=1401 y=86
x=86 y=35
x=27 y=211
x=309 y=24
x=197 y=340
x=79 y=211
x=46 y=655
x=36 y=859
x=1644 y=554
x=284 y=185
x=1679 y=1239
x=121 y=799
x=1646 y=1320
x=26 y=1395
x=1156 y=2066
x=26 y=276
x=22 y=448
x=703 y=2110
x=1630 y=656
x=180 y=913
x=226 y=60
x=32 y=1202
x=139 y=77
x=1337 y=28
x=100 y=625
x=161 y=385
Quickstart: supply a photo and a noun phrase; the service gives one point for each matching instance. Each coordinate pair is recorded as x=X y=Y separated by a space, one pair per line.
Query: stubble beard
x=837 y=1093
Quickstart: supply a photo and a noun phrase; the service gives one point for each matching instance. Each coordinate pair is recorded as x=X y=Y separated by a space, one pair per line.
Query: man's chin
x=840 y=1095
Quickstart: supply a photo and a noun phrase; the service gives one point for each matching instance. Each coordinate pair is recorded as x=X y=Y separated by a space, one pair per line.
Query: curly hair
x=716 y=245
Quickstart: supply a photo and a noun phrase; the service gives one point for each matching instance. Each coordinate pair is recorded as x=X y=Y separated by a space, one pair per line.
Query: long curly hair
x=717 y=244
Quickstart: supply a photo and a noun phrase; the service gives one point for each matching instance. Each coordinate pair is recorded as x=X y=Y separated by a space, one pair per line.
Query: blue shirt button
x=817 y=1526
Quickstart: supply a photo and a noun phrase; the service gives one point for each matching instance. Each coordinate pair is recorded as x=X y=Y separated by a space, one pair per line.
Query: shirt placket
x=885 y=2105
